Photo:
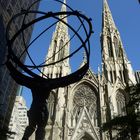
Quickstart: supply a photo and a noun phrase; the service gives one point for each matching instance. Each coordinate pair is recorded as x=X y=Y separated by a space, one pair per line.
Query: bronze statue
x=41 y=86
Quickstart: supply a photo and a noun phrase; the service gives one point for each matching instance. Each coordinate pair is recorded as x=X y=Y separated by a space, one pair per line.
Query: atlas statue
x=41 y=86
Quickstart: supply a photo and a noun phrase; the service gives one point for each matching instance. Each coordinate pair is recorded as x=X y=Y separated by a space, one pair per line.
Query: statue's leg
x=28 y=132
x=30 y=128
x=41 y=124
x=40 y=133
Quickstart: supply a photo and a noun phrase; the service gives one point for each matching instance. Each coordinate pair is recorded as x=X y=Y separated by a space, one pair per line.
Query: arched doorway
x=86 y=136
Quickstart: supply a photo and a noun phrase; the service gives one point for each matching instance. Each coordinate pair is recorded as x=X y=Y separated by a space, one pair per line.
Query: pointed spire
x=64 y=9
x=105 y=2
x=106 y=6
x=65 y=1
x=59 y=44
x=107 y=16
x=60 y=25
x=84 y=59
x=64 y=6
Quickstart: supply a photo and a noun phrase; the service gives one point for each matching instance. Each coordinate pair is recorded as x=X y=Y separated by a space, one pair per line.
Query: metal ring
x=14 y=58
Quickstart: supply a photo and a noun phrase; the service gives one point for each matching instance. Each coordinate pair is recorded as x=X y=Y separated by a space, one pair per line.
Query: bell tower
x=115 y=62
x=58 y=49
x=117 y=72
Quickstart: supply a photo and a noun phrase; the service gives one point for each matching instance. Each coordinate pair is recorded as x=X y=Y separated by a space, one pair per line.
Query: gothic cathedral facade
x=78 y=111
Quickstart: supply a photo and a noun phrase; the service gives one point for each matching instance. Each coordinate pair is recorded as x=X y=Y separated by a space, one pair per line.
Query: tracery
x=85 y=97
x=120 y=103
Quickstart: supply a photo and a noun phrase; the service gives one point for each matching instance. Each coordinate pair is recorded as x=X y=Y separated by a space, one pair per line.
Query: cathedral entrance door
x=86 y=138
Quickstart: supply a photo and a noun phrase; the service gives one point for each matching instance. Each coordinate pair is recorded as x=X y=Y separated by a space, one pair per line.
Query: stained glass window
x=120 y=103
x=85 y=97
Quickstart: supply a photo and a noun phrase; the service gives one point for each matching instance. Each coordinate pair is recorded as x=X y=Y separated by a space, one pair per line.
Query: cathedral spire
x=59 y=47
x=117 y=71
x=112 y=47
x=64 y=9
x=107 y=16
x=63 y=17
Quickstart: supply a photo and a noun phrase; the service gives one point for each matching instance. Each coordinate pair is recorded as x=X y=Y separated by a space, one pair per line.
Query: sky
x=126 y=14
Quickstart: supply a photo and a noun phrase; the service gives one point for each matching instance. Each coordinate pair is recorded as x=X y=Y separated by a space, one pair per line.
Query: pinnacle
x=63 y=6
x=107 y=13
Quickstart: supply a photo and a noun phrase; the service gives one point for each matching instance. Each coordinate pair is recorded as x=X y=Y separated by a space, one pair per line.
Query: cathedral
x=78 y=111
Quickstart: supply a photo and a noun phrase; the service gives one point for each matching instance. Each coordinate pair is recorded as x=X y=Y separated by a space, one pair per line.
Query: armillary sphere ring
x=14 y=60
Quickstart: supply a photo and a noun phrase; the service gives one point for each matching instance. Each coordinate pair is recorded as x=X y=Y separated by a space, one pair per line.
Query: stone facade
x=117 y=72
x=78 y=111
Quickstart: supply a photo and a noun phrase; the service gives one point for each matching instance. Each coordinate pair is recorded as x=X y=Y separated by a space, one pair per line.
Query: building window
x=114 y=72
x=54 y=50
x=121 y=75
x=137 y=75
x=86 y=137
x=111 y=76
x=61 y=49
x=110 y=51
x=117 y=47
x=124 y=74
x=121 y=104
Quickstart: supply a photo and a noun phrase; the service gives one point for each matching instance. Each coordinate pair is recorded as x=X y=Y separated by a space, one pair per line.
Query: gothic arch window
x=114 y=72
x=86 y=136
x=110 y=51
x=54 y=50
x=51 y=101
x=120 y=98
x=85 y=97
x=111 y=76
x=61 y=49
x=121 y=72
x=117 y=47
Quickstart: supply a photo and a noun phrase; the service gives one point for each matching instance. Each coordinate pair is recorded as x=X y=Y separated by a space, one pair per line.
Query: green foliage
x=127 y=126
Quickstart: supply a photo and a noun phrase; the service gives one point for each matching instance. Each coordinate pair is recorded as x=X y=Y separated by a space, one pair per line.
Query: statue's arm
x=18 y=76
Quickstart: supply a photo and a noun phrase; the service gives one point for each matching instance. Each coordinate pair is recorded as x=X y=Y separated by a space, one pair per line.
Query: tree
x=127 y=126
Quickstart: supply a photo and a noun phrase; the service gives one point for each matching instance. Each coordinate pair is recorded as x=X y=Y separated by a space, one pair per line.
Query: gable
x=85 y=127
